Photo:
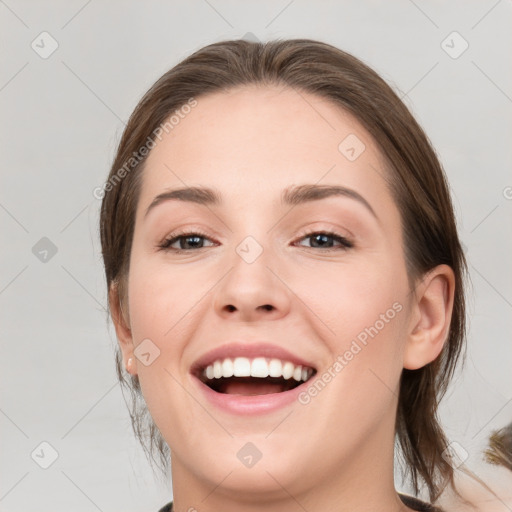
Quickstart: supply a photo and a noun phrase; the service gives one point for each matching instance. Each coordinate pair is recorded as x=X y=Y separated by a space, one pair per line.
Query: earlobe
x=432 y=312
x=122 y=327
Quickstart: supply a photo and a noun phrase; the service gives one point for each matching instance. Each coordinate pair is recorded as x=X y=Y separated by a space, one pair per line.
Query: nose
x=253 y=291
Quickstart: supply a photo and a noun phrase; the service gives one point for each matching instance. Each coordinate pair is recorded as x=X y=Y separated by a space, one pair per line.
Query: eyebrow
x=292 y=196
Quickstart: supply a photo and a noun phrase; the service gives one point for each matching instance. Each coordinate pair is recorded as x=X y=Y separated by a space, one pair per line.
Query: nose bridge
x=252 y=237
x=250 y=249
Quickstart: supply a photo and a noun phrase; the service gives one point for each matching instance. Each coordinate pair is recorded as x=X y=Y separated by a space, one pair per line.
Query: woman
x=286 y=282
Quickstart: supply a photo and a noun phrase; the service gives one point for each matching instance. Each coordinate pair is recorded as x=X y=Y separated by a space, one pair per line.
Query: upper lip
x=249 y=350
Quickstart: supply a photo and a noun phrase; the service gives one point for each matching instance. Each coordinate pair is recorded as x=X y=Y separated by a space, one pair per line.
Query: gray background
x=62 y=119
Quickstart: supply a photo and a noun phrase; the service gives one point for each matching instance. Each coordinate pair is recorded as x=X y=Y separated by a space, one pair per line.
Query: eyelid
x=326 y=227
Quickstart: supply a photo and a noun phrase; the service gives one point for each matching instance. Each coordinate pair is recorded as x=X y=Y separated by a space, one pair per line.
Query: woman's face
x=259 y=277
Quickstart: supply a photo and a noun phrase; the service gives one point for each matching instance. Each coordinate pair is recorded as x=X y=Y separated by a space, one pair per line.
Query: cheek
x=159 y=296
x=157 y=303
x=350 y=298
x=364 y=306
x=359 y=387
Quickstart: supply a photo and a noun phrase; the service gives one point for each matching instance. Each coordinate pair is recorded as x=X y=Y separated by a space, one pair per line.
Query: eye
x=195 y=240
x=325 y=240
x=186 y=242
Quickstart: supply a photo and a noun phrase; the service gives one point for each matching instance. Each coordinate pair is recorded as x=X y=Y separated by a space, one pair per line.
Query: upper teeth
x=257 y=367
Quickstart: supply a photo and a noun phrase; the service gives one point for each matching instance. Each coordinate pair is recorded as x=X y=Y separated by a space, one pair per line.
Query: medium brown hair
x=499 y=451
x=414 y=174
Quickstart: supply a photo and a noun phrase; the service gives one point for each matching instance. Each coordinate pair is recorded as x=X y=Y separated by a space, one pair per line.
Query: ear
x=123 y=331
x=430 y=319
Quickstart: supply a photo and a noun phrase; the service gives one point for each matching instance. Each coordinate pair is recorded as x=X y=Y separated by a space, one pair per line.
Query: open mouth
x=249 y=377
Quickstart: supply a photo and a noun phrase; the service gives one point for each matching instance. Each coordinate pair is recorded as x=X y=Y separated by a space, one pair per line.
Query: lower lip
x=248 y=405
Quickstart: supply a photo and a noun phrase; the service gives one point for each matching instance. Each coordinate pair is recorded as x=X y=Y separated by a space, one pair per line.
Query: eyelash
x=165 y=244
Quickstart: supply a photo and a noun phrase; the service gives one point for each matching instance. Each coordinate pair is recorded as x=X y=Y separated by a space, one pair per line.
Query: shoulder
x=410 y=501
x=417 y=504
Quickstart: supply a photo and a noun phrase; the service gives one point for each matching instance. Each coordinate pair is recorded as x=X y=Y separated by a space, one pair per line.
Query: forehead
x=252 y=142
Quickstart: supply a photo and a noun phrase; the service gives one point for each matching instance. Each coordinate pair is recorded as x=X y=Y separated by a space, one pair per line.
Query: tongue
x=250 y=388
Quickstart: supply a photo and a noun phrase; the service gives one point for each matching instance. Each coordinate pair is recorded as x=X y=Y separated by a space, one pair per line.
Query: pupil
x=321 y=236
x=196 y=239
